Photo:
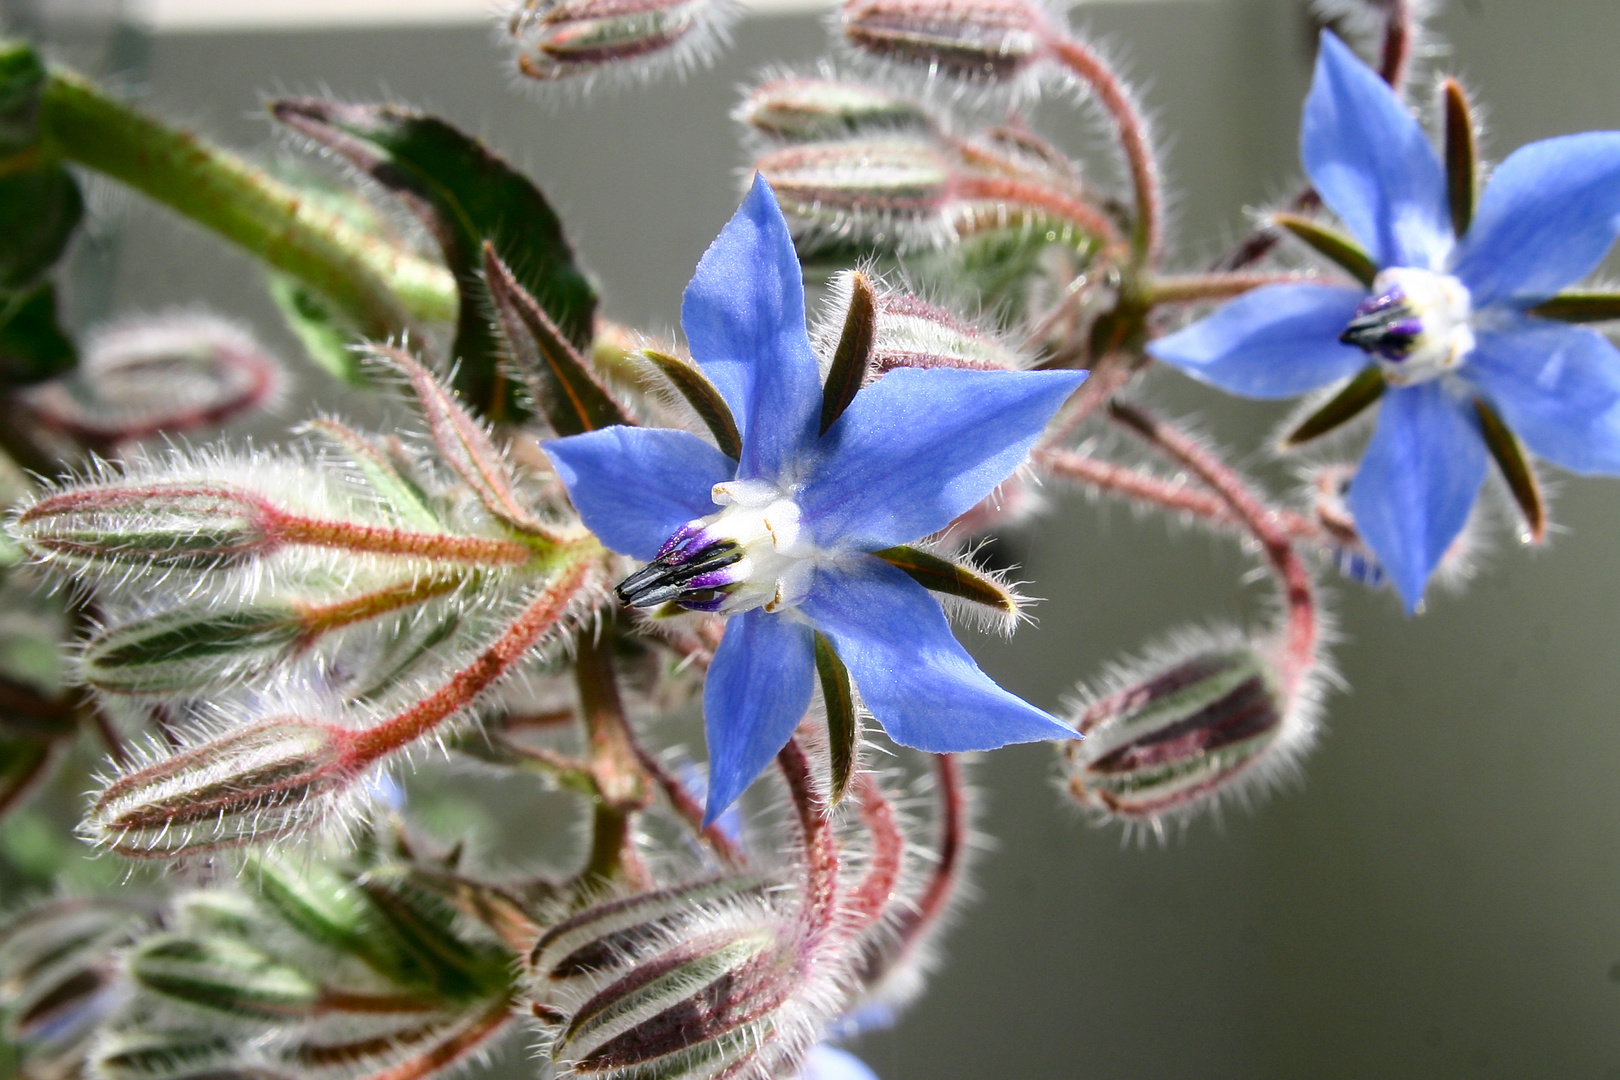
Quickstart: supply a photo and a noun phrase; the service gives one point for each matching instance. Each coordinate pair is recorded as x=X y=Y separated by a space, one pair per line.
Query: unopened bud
x=1192 y=728
x=158 y=524
x=801 y=109
x=150 y=375
x=579 y=39
x=266 y=780
x=188 y=650
x=57 y=972
x=222 y=974
x=863 y=186
x=914 y=333
x=169 y=1055
x=987 y=41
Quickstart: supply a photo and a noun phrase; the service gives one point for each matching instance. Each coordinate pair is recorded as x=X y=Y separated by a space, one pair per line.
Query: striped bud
x=801 y=109
x=580 y=39
x=57 y=972
x=168 y=1055
x=189 y=650
x=151 y=375
x=860 y=187
x=224 y=975
x=159 y=524
x=980 y=41
x=911 y=332
x=1195 y=726
x=266 y=780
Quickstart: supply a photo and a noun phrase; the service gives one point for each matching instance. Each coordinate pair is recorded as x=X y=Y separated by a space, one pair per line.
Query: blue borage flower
x=780 y=538
x=1448 y=321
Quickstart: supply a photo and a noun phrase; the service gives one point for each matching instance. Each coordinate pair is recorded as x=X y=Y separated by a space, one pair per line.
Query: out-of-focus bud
x=879 y=189
x=579 y=40
x=222 y=974
x=1183 y=730
x=805 y=108
x=266 y=780
x=171 y=1055
x=150 y=375
x=189 y=650
x=978 y=41
x=160 y=524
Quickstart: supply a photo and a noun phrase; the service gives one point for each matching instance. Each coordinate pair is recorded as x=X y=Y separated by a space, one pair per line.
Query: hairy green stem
x=377 y=285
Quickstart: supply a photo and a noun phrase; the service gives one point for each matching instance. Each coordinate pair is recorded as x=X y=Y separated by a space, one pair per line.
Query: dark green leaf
x=1345 y=406
x=326 y=338
x=33 y=347
x=704 y=398
x=951 y=578
x=39 y=210
x=22 y=78
x=1332 y=244
x=1580 y=307
x=1462 y=156
x=843 y=730
x=557 y=376
x=1521 y=478
x=466 y=195
x=854 y=353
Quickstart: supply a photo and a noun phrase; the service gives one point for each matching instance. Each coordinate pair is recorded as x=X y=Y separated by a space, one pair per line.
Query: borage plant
x=587 y=534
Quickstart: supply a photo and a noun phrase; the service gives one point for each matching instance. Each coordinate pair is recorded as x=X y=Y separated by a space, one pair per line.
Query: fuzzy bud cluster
x=1195 y=724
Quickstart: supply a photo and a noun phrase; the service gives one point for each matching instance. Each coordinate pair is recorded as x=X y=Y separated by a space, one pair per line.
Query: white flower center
x=1416 y=324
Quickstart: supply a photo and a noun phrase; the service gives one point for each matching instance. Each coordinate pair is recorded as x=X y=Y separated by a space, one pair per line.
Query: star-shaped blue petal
x=909 y=454
x=1549 y=215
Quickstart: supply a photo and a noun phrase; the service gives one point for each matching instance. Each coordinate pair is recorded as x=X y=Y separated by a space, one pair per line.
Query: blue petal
x=825 y=1062
x=913 y=675
x=1557 y=386
x=1418 y=482
x=1547 y=218
x=636 y=486
x=919 y=447
x=1372 y=163
x=1275 y=342
x=744 y=318
x=757 y=692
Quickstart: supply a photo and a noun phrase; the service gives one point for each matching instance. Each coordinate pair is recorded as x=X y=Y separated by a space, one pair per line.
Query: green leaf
x=22 y=78
x=33 y=347
x=325 y=336
x=466 y=195
x=1346 y=405
x=39 y=209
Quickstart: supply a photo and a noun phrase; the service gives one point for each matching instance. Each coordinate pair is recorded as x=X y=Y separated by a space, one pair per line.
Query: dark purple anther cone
x=1385 y=326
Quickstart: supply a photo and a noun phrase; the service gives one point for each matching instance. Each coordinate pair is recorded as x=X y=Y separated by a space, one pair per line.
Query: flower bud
x=1193 y=727
x=57 y=973
x=169 y=1055
x=914 y=333
x=579 y=39
x=266 y=780
x=158 y=524
x=222 y=974
x=150 y=375
x=988 y=41
x=801 y=109
x=187 y=651
x=861 y=187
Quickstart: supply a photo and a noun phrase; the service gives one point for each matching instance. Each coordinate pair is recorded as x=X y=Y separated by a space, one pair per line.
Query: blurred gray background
x=1441 y=898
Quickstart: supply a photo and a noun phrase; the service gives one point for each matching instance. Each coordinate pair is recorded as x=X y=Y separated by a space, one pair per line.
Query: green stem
x=620 y=783
x=377 y=285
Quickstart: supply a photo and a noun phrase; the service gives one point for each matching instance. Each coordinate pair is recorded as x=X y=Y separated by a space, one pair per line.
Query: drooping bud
x=172 y=1055
x=150 y=375
x=188 y=650
x=222 y=974
x=1185 y=729
x=266 y=780
x=886 y=190
x=911 y=332
x=580 y=40
x=807 y=108
x=161 y=524
x=974 y=41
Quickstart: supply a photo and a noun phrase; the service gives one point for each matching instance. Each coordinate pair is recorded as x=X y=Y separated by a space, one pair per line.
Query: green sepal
x=22 y=79
x=1462 y=156
x=33 y=346
x=39 y=209
x=222 y=974
x=704 y=397
x=1360 y=392
x=843 y=727
x=326 y=337
x=1580 y=307
x=941 y=575
x=1511 y=459
x=1332 y=245
x=853 y=356
x=466 y=195
x=556 y=374
x=402 y=496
